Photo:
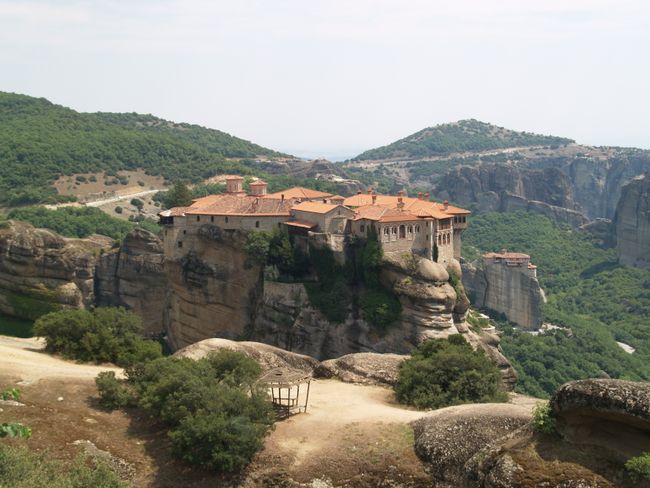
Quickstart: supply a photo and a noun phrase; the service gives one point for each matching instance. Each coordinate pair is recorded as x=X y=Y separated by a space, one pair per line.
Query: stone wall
x=512 y=291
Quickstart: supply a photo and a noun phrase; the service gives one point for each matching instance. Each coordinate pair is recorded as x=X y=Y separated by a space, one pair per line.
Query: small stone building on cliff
x=403 y=224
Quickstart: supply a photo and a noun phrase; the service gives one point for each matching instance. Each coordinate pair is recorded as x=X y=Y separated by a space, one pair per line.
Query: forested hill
x=465 y=135
x=40 y=141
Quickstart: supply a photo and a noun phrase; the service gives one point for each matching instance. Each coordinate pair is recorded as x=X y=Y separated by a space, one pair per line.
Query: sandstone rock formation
x=214 y=287
x=448 y=438
x=512 y=291
x=602 y=424
x=613 y=414
x=567 y=188
x=632 y=223
x=133 y=276
x=363 y=368
x=268 y=357
x=41 y=271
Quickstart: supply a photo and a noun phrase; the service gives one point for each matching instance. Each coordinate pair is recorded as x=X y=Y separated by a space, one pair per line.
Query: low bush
x=639 y=467
x=15 y=429
x=380 y=307
x=112 y=392
x=10 y=394
x=101 y=335
x=22 y=468
x=216 y=414
x=447 y=372
x=543 y=419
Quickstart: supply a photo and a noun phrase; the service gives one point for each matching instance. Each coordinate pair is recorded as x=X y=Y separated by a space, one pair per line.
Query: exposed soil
x=95 y=190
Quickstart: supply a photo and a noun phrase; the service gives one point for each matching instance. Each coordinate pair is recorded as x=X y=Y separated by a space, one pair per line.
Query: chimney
x=358 y=192
x=445 y=205
x=400 y=193
x=400 y=203
x=374 y=198
x=420 y=195
x=426 y=196
x=282 y=197
x=369 y=191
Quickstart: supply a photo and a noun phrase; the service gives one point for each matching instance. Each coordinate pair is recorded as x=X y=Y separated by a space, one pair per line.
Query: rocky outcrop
x=448 y=439
x=40 y=271
x=568 y=188
x=632 y=223
x=268 y=357
x=214 y=287
x=133 y=276
x=601 y=424
x=363 y=368
x=513 y=291
x=613 y=414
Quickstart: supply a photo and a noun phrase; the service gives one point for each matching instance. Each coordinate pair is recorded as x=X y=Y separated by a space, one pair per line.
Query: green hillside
x=40 y=141
x=588 y=293
x=465 y=135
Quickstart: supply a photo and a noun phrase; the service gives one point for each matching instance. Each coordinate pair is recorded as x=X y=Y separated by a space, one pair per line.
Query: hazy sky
x=334 y=77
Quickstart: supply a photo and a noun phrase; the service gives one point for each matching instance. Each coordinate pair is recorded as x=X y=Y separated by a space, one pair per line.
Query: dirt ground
x=137 y=181
x=352 y=435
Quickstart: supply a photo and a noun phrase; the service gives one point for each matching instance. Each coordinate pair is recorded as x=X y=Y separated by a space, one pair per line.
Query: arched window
x=417 y=229
x=198 y=218
x=257 y=223
x=409 y=232
x=226 y=220
x=362 y=228
x=402 y=232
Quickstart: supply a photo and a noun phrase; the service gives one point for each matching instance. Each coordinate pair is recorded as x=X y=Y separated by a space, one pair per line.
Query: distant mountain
x=462 y=136
x=40 y=141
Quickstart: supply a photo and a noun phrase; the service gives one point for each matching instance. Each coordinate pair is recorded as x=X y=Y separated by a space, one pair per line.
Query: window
x=417 y=228
x=180 y=243
x=198 y=218
x=362 y=228
x=257 y=224
x=402 y=232
x=226 y=220
x=211 y=218
x=184 y=232
x=409 y=232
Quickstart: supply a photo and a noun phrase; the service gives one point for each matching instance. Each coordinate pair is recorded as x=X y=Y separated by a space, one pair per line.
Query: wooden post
x=307 y=399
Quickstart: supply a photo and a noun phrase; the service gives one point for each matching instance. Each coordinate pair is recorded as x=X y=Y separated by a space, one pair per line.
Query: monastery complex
x=402 y=223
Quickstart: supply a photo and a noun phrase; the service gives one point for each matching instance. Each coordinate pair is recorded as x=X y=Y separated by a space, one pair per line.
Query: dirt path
x=24 y=359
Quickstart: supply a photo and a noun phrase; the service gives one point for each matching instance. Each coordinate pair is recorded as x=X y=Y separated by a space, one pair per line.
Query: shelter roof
x=283 y=377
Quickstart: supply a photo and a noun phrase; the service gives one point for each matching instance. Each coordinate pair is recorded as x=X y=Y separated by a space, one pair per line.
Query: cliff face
x=431 y=309
x=632 y=223
x=133 y=276
x=508 y=290
x=213 y=287
x=566 y=189
x=41 y=271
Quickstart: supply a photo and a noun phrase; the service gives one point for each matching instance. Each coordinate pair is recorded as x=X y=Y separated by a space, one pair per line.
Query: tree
x=179 y=196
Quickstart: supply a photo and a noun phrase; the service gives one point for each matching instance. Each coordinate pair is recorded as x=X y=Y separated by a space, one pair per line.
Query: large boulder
x=268 y=357
x=363 y=368
x=612 y=413
x=449 y=437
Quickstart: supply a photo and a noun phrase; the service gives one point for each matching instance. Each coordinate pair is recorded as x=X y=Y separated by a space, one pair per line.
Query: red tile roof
x=239 y=205
x=315 y=207
x=298 y=192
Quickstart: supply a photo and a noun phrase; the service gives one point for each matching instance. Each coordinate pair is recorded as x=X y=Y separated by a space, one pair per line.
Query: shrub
x=543 y=419
x=101 y=335
x=217 y=416
x=380 y=307
x=448 y=372
x=639 y=467
x=112 y=392
x=10 y=394
x=15 y=429
x=22 y=468
x=119 y=210
x=136 y=202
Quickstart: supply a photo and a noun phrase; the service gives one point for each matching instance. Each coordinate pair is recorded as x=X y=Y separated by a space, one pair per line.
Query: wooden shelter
x=284 y=388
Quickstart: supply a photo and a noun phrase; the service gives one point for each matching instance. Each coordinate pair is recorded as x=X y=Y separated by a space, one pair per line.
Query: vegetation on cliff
x=79 y=221
x=595 y=300
x=443 y=372
x=102 y=335
x=216 y=414
x=40 y=141
x=465 y=135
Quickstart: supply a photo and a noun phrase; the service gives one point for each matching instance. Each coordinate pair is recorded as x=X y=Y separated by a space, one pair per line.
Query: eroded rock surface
x=268 y=357
x=133 y=276
x=632 y=223
x=41 y=271
x=363 y=368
